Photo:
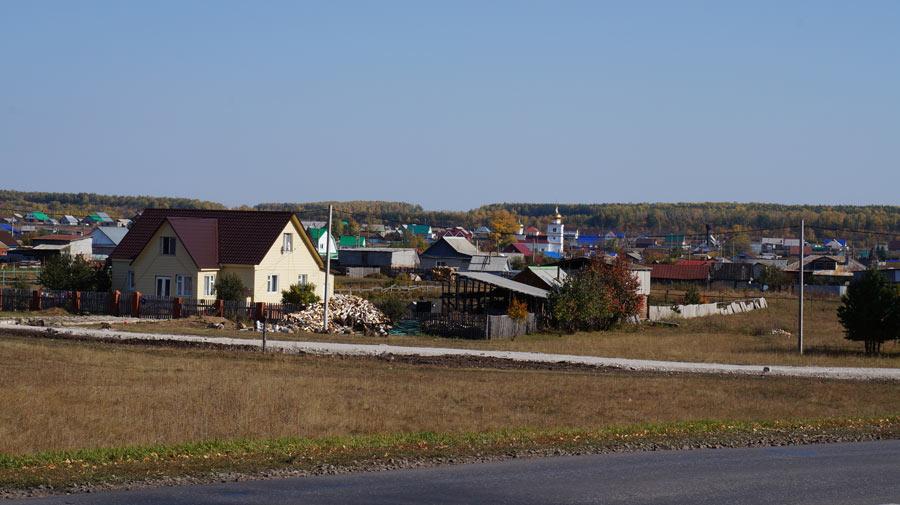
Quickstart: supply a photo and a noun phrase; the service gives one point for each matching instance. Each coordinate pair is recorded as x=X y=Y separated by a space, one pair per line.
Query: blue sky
x=453 y=104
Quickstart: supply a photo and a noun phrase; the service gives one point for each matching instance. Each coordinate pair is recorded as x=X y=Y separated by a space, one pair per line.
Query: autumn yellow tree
x=504 y=225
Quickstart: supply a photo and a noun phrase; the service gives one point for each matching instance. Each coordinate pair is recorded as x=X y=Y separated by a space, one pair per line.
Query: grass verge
x=237 y=459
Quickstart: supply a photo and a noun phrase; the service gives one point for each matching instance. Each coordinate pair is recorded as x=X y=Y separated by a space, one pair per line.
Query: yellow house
x=181 y=252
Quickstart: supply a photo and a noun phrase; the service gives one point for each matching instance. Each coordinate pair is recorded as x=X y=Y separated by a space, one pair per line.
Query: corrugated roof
x=485 y=263
x=244 y=236
x=60 y=237
x=461 y=245
x=7 y=238
x=553 y=276
x=680 y=272
x=504 y=283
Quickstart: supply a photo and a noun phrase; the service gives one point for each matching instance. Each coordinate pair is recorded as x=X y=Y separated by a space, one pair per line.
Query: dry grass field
x=63 y=395
x=740 y=338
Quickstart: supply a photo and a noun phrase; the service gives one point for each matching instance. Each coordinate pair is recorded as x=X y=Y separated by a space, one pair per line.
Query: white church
x=552 y=243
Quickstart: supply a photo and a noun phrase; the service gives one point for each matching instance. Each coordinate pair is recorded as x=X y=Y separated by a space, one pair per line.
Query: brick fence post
x=76 y=302
x=220 y=308
x=36 y=301
x=114 y=298
x=136 y=304
x=260 y=311
x=176 y=307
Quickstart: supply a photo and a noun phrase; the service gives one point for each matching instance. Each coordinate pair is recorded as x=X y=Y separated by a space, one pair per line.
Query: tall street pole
x=327 y=270
x=802 y=247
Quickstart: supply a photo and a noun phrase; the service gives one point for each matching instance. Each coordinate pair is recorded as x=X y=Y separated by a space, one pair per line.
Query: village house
x=321 y=238
x=459 y=253
x=106 y=238
x=361 y=261
x=51 y=245
x=181 y=252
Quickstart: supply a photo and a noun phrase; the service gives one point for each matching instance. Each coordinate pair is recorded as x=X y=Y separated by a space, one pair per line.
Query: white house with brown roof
x=181 y=252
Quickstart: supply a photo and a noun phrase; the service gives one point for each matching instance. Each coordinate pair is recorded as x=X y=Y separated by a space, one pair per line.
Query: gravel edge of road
x=717 y=441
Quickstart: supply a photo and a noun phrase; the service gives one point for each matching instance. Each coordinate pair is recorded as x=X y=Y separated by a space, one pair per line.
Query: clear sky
x=453 y=104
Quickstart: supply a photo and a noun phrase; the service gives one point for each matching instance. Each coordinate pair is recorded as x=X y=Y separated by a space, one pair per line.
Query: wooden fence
x=138 y=305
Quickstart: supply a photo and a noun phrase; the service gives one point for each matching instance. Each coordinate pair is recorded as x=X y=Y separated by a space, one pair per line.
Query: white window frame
x=209 y=284
x=183 y=285
x=129 y=280
x=163 y=241
x=303 y=279
x=161 y=293
x=272 y=283
x=287 y=242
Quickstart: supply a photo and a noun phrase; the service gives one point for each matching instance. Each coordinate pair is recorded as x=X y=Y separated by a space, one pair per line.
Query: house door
x=164 y=286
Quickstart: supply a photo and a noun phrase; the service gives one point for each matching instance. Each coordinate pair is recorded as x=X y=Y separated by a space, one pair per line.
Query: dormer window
x=167 y=246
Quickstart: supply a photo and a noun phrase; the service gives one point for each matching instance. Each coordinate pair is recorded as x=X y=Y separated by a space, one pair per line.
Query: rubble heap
x=346 y=314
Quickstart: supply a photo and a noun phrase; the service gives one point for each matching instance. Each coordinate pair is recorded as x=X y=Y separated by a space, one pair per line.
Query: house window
x=167 y=246
x=129 y=280
x=209 y=285
x=287 y=242
x=272 y=284
x=164 y=286
x=302 y=279
x=440 y=263
x=183 y=286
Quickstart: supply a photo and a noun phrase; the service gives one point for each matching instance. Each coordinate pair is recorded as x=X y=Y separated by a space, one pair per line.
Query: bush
x=300 y=294
x=518 y=310
x=230 y=287
x=596 y=298
x=393 y=307
x=870 y=311
x=692 y=296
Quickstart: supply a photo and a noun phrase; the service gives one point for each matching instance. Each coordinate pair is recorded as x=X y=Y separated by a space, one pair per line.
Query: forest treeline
x=632 y=218
x=82 y=204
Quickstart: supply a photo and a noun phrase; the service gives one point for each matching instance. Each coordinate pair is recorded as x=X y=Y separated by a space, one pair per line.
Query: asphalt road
x=858 y=474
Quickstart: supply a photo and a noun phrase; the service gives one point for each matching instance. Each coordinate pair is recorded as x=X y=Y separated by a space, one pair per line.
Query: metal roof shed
x=486 y=293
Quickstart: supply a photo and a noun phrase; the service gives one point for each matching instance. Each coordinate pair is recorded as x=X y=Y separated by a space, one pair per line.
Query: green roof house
x=320 y=237
x=351 y=241
x=37 y=217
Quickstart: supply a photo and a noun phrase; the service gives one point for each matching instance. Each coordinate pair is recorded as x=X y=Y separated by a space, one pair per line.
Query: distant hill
x=82 y=204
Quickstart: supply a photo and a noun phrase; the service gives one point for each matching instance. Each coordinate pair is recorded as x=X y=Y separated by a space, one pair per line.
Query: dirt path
x=476 y=356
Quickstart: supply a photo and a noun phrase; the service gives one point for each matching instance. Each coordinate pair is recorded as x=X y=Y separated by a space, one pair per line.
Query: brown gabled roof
x=200 y=238
x=243 y=237
x=60 y=238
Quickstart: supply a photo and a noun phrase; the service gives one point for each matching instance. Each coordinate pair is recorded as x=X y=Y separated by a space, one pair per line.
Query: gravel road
x=327 y=348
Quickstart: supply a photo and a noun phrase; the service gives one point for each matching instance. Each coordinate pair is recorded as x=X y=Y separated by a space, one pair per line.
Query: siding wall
x=150 y=264
x=287 y=266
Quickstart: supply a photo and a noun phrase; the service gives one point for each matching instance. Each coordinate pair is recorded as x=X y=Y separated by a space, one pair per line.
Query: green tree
x=870 y=311
x=596 y=298
x=300 y=294
x=64 y=272
x=692 y=295
x=230 y=287
x=774 y=277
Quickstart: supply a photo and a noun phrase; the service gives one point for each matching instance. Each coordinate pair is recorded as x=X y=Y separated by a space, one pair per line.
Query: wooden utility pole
x=327 y=270
x=800 y=315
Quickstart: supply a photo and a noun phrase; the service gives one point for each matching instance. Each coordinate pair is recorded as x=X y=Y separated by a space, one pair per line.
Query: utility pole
x=327 y=270
x=802 y=247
